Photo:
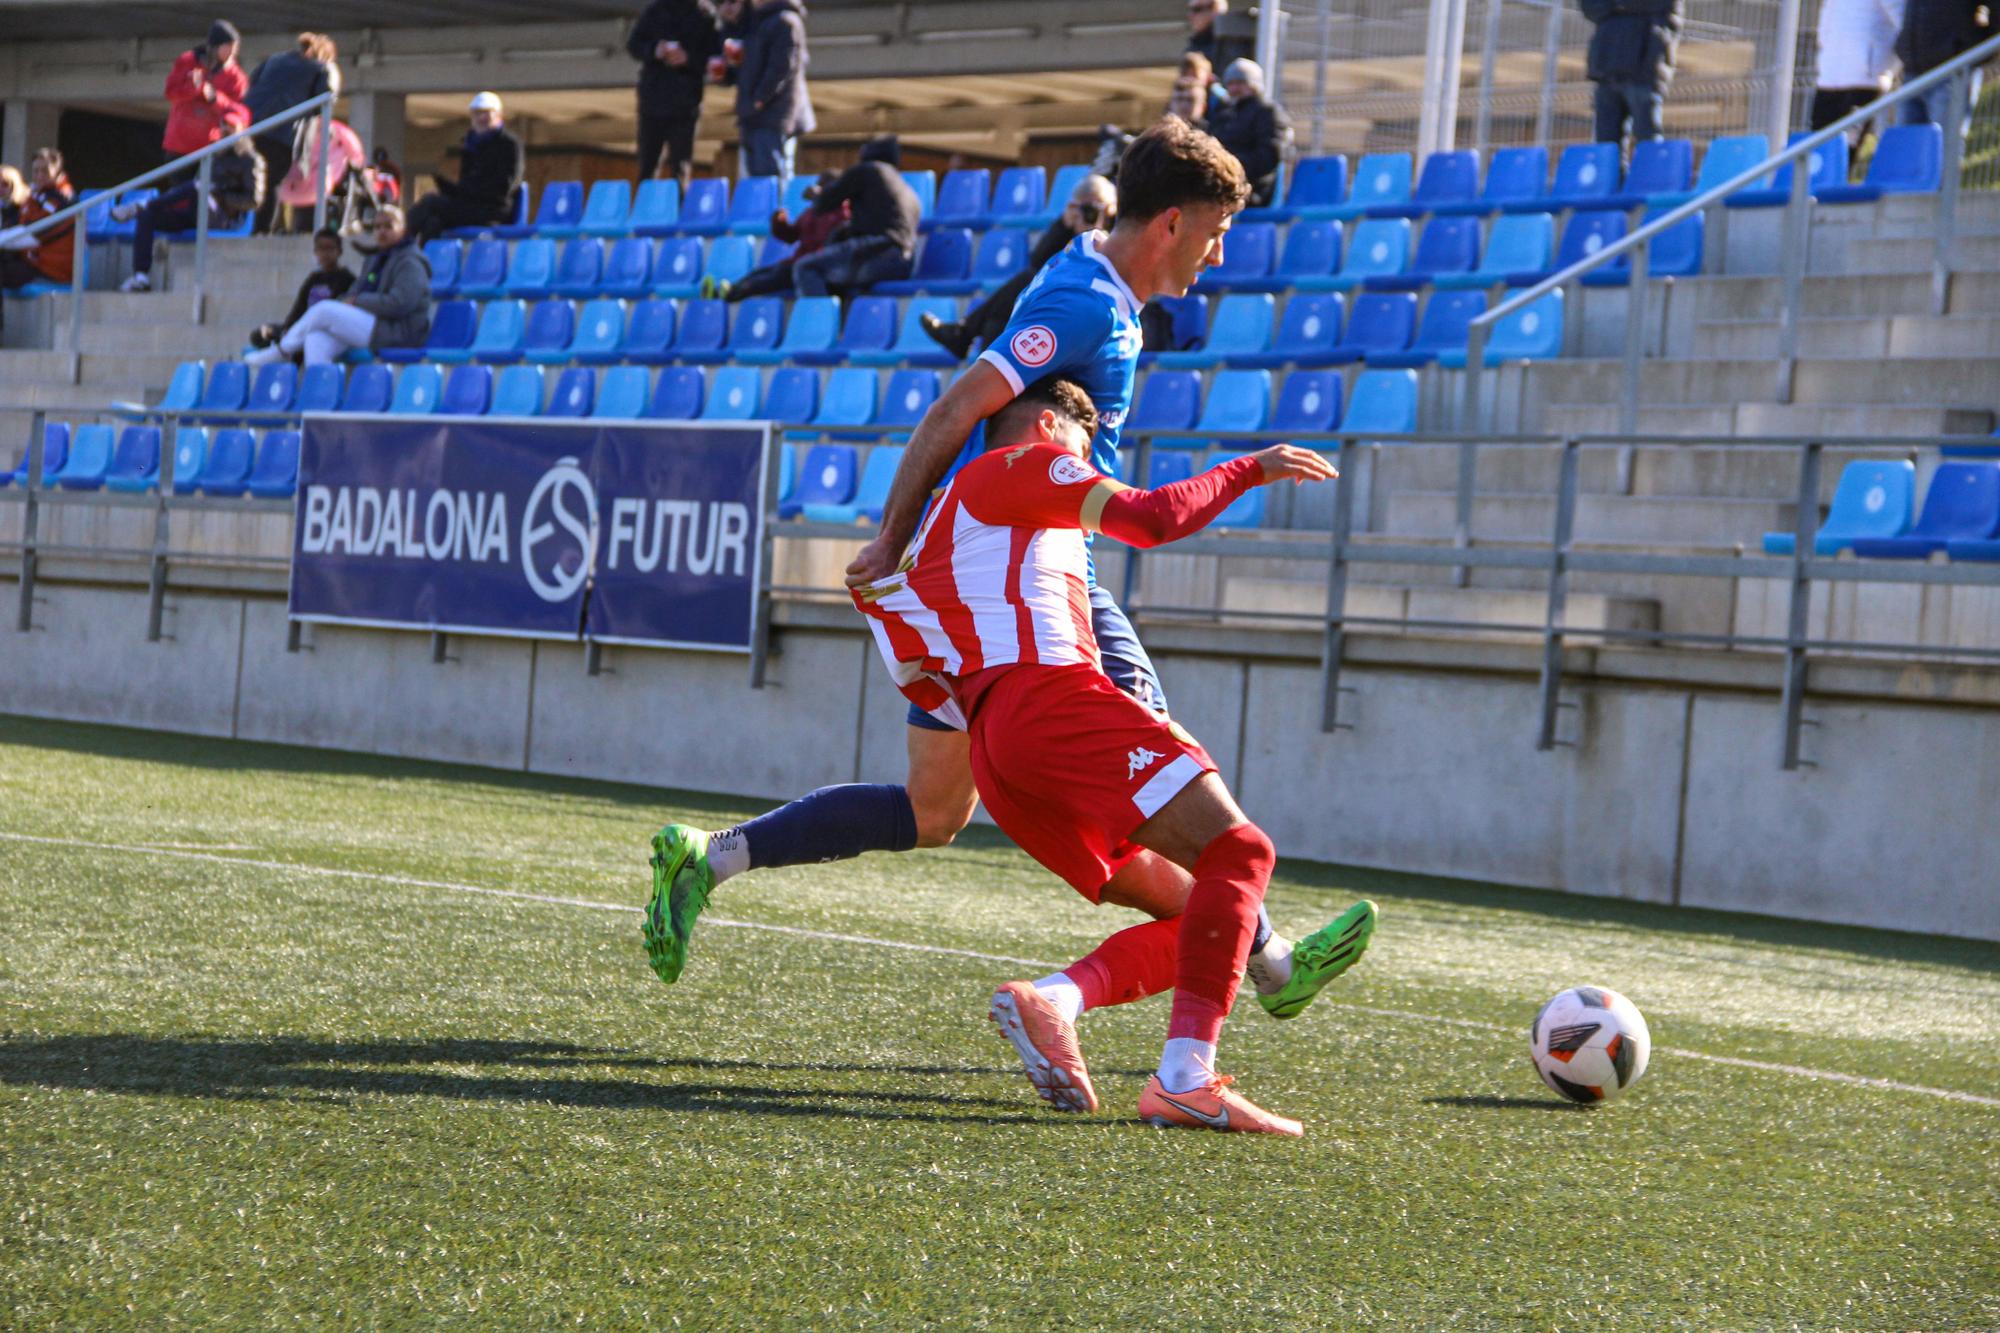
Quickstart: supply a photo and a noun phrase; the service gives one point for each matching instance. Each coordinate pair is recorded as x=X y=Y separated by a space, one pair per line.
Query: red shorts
x=1069 y=765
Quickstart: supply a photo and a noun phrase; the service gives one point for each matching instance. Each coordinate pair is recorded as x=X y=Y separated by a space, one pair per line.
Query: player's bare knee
x=941 y=816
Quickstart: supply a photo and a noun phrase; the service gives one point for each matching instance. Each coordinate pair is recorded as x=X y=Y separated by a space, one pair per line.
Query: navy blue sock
x=1264 y=930
x=832 y=824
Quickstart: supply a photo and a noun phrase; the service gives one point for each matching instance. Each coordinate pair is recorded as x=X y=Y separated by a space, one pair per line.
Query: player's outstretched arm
x=1168 y=513
x=980 y=393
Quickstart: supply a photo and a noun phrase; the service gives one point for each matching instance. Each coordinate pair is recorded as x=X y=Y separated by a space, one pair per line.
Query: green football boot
x=1322 y=956
x=682 y=882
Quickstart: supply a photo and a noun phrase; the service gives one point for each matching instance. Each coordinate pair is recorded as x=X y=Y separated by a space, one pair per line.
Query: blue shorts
x=1125 y=660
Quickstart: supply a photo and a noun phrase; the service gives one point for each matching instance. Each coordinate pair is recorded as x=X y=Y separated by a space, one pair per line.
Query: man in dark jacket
x=237 y=184
x=1217 y=34
x=1933 y=32
x=1632 y=63
x=673 y=41
x=1255 y=132
x=489 y=178
x=880 y=237
x=773 y=107
x=281 y=83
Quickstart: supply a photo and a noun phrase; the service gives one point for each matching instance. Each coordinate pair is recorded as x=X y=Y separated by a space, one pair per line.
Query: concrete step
x=1486 y=606
x=207 y=341
x=1684 y=471
x=1972 y=382
x=1624 y=520
x=1951 y=381
x=1860 y=336
x=1833 y=420
x=1914 y=254
x=1866 y=294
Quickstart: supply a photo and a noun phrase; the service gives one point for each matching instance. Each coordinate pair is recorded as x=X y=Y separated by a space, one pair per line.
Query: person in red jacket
x=206 y=93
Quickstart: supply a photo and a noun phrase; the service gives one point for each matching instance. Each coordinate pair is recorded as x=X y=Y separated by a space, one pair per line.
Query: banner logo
x=555 y=565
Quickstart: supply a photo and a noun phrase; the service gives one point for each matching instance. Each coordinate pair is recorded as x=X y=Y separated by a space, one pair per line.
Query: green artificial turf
x=255 y=1095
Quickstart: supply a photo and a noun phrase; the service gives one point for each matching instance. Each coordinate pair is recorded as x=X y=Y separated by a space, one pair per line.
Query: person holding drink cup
x=676 y=45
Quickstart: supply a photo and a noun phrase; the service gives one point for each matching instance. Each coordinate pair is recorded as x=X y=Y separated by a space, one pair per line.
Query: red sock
x=1216 y=929
x=1129 y=966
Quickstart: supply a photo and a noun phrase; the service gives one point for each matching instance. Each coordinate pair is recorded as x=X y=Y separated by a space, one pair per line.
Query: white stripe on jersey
x=1044 y=583
x=979 y=570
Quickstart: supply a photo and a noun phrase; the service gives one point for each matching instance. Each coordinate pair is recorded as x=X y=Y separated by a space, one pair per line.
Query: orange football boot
x=1046 y=1042
x=1211 y=1107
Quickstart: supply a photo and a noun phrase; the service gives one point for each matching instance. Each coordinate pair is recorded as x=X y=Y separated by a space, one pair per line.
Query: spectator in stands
x=1195 y=93
x=809 y=235
x=672 y=41
x=388 y=306
x=773 y=105
x=328 y=280
x=237 y=186
x=1256 y=133
x=489 y=178
x=880 y=237
x=13 y=194
x=279 y=84
x=1218 y=37
x=1632 y=63
x=1092 y=206
x=205 y=93
x=1857 y=57
x=48 y=256
x=1933 y=32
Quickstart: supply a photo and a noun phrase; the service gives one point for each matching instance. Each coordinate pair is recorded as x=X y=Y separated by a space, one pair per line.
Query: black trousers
x=666 y=145
x=770 y=280
x=277 y=151
x=434 y=214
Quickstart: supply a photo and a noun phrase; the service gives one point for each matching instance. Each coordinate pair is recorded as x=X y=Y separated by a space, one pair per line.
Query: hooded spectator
x=1219 y=36
x=51 y=255
x=237 y=186
x=388 y=306
x=1256 y=133
x=1632 y=63
x=489 y=178
x=1933 y=32
x=673 y=41
x=279 y=84
x=880 y=238
x=205 y=93
x=773 y=105
x=815 y=226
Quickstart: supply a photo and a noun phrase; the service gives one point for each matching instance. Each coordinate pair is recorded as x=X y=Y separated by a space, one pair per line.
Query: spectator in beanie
x=489 y=178
x=673 y=41
x=1632 y=63
x=205 y=94
x=50 y=255
x=1256 y=133
x=237 y=186
x=281 y=83
x=329 y=279
x=880 y=238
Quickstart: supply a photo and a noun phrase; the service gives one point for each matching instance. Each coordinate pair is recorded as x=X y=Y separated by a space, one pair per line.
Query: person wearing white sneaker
x=389 y=306
x=236 y=187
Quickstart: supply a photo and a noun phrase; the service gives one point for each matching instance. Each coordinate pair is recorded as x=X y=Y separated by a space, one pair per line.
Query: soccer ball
x=1590 y=1043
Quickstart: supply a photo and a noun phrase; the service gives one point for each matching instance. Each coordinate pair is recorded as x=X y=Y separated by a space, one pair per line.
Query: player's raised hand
x=875 y=561
x=1289 y=462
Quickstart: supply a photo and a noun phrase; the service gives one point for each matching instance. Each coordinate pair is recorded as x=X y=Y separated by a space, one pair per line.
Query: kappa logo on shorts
x=1139 y=761
x=1034 y=345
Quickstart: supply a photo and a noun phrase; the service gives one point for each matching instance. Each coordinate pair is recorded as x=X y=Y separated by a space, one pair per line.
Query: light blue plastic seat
x=870 y=326
x=1003 y=252
x=596 y=329
x=369 y=389
x=1247 y=509
x=1520 y=248
x=1242 y=325
x=913 y=347
x=628 y=268
x=826 y=477
x=1187 y=324
x=443 y=256
x=703 y=327
x=1165 y=468
x=502 y=326
x=729 y=258
x=1515 y=180
x=814 y=326
x=226 y=470
x=418 y=390
x=1308 y=403
x=1379 y=179
x=750 y=211
x=55 y=453
x=319 y=388
x=771 y=250
x=733 y=393
x=622 y=393
x=677 y=266
x=1449 y=245
x=656 y=208
x=650 y=328
x=1248 y=253
x=794 y=200
x=483 y=270
x=1586 y=176
x=849 y=399
x=1588 y=231
x=274 y=388
x=870 y=493
x=88 y=460
x=579 y=267
x=1450 y=178
x=1446 y=324
x=190 y=454
x=1377 y=322
x=1376 y=247
x=1826 y=170
x=518 y=392
x=792 y=396
x=531 y=271
x=184 y=388
x=1169 y=400
x=1383 y=402
x=1308 y=330
x=942 y=260
x=1674 y=253
x=1318 y=187
x=923 y=184
x=608 y=211
x=100 y=226
x=135 y=461
x=705 y=207
x=453 y=326
x=228 y=385
x=677 y=395
x=1310 y=257
x=1532 y=333
x=1909 y=159
x=1237 y=400
x=788 y=473
x=276 y=476
x=575 y=392
x=760 y=323
x=1961 y=514
x=468 y=391
x=1874 y=499
x=962 y=199
x=560 y=211
x=550 y=329
x=1658 y=167
x=1017 y=196
x=1727 y=157
x=908 y=396
x=1061 y=186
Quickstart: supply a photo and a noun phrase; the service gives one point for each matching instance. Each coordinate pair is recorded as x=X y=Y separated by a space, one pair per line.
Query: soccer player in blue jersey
x=1178 y=190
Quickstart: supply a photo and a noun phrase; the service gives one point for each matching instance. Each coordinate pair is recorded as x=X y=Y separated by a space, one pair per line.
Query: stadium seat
x=825 y=478
x=483 y=270
x=1318 y=188
x=677 y=266
x=677 y=394
x=870 y=494
x=516 y=225
x=849 y=399
x=1586 y=176
x=814 y=326
x=1449 y=245
x=1017 y=197
x=962 y=199
x=1827 y=167
x=369 y=389
x=579 y=267
x=1003 y=253
x=703 y=326
x=788 y=473
x=1187 y=321
x=755 y=200
x=1167 y=467
x=502 y=325
x=1311 y=254
x=1378 y=322
x=1447 y=178
x=923 y=184
x=771 y=250
x=733 y=393
x=276 y=476
x=792 y=395
x=1728 y=156
x=1962 y=506
x=226 y=468
x=1658 y=167
x=608 y=210
x=88 y=460
x=1060 y=189
x=228 y=385
x=1380 y=179
x=1309 y=329
x=135 y=461
x=560 y=212
x=1587 y=232
x=190 y=455
x=1247 y=509
x=628 y=268
x=468 y=391
x=443 y=256
x=870 y=327
x=1168 y=400
x=55 y=453
x=622 y=393
x=1874 y=499
x=274 y=388
x=1383 y=402
x=1532 y=333
x=545 y=340
x=98 y=222
x=1377 y=246
x=1520 y=248
x=656 y=209
x=1908 y=160
x=319 y=389
x=649 y=333
x=531 y=273
x=599 y=326
x=1238 y=400
x=575 y=392
x=1674 y=253
x=518 y=392
x=1248 y=253
x=1242 y=326
x=453 y=325
x=1308 y=403
x=913 y=347
x=729 y=258
x=418 y=389
x=705 y=207
x=760 y=322
x=1514 y=176
x=909 y=395
x=942 y=262
x=1447 y=318
x=184 y=388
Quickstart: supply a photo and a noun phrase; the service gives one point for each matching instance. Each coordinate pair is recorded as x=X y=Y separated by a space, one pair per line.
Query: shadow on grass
x=287 y=1069
x=1506 y=1103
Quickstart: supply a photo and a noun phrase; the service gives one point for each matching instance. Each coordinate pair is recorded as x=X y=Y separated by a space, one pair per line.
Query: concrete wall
x=1667 y=794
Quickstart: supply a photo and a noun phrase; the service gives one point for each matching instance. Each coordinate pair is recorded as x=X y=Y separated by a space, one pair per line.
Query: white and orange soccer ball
x=1590 y=1044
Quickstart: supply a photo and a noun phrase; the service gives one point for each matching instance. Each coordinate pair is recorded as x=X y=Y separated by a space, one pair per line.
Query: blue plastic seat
x=760 y=323
x=1586 y=176
x=1311 y=254
x=1515 y=178
x=1187 y=318
x=1588 y=231
x=923 y=184
x=792 y=396
x=453 y=326
x=1449 y=245
x=1447 y=179
x=677 y=395
x=190 y=454
x=443 y=256
x=677 y=266
x=909 y=395
x=656 y=208
x=580 y=267
x=227 y=386
x=468 y=391
x=276 y=476
x=598 y=326
x=849 y=399
x=941 y=265
x=870 y=493
x=516 y=224
x=729 y=258
x=628 y=268
x=1446 y=324
x=1520 y=248
x=913 y=347
x=319 y=388
x=608 y=210
x=755 y=200
x=703 y=326
x=1532 y=333
x=788 y=473
x=1003 y=253
x=733 y=394
x=550 y=329
x=518 y=392
x=1376 y=247
x=1318 y=188
x=226 y=469
x=870 y=327
x=575 y=395
x=1060 y=189
x=1168 y=400
x=1378 y=322
x=650 y=327
x=1674 y=253
x=55 y=453
x=483 y=270
x=825 y=478
x=531 y=273
x=1248 y=253
x=1727 y=157
x=1826 y=170
x=418 y=390
x=276 y=385
x=1908 y=160
x=1017 y=196
x=1307 y=332
x=771 y=250
x=1308 y=403
x=1383 y=402
x=1961 y=514
x=184 y=388
x=1379 y=179
x=1874 y=499
x=1242 y=326
x=1237 y=400
x=705 y=207
x=502 y=326
x=99 y=224
x=1247 y=509
x=558 y=215
x=1658 y=167
x=814 y=326
x=88 y=460
x=962 y=199
x=135 y=462
x=1165 y=468
x=369 y=389
x=622 y=393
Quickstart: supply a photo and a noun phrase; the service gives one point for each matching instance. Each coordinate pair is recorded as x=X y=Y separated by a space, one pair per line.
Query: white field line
x=1799 y=1071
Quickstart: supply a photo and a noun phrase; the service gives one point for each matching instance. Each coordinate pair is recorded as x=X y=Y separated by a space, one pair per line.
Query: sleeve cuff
x=1005 y=367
